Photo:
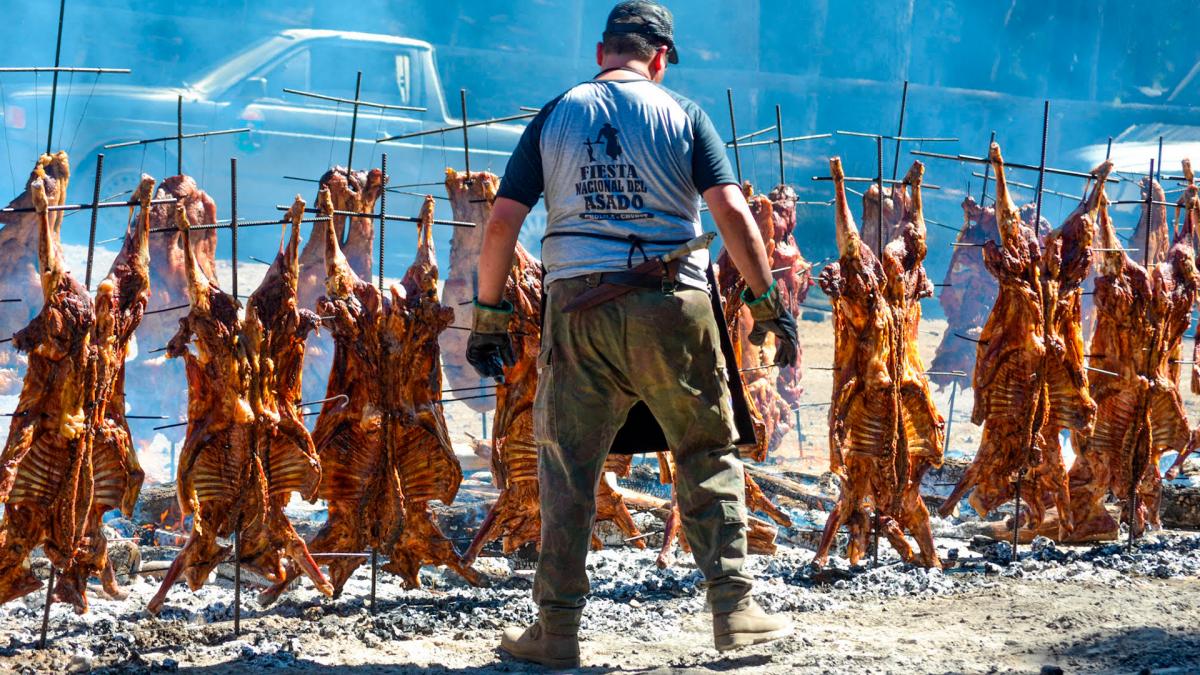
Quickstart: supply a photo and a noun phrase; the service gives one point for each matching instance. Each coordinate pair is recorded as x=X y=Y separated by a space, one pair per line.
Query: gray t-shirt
x=617 y=158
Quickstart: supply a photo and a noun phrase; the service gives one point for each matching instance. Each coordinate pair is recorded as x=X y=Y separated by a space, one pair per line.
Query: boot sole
x=559 y=664
x=733 y=641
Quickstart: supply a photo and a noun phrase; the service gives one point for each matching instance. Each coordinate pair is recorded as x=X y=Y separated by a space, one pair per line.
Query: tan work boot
x=748 y=626
x=536 y=645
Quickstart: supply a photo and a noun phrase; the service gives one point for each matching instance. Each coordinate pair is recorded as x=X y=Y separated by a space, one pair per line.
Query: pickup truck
x=290 y=135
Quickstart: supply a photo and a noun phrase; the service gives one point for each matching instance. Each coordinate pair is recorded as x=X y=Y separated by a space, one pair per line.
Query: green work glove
x=490 y=349
x=770 y=316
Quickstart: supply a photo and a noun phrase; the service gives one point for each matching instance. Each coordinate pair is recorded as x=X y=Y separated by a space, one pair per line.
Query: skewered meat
x=168 y=276
x=795 y=278
x=516 y=514
x=385 y=450
x=357 y=192
x=1029 y=376
x=895 y=205
x=471 y=200
x=19 y=266
x=1140 y=323
x=1156 y=219
x=222 y=479
x=120 y=301
x=1186 y=235
x=884 y=430
x=45 y=470
x=968 y=290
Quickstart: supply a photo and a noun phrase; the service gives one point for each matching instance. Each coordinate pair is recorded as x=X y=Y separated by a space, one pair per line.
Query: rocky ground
x=1093 y=609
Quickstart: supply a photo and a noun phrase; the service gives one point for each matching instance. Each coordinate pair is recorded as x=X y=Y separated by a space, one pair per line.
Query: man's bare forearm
x=499 y=243
x=740 y=234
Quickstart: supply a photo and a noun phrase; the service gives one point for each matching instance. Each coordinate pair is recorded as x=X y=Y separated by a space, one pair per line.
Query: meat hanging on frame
x=1140 y=321
x=20 y=270
x=384 y=449
x=1030 y=383
x=515 y=517
x=69 y=458
x=357 y=192
x=884 y=430
x=222 y=479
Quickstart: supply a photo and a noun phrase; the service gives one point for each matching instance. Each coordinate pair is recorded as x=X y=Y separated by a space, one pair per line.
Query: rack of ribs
x=884 y=430
x=19 y=266
x=516 y=515
x=895 y=206
x=1030 y=382
x=45 y=468
x=1140 y=322
x=357 y=192
x=222 y=479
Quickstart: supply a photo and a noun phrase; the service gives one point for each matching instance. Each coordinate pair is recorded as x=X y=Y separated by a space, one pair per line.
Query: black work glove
x=489 y=349
x=770 y=316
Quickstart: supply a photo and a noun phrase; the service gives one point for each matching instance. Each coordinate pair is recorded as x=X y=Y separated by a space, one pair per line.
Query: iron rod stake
x=233 y=219
x=987 y=171
x=237 y=579
x=1016 y=540
x=950 y=417
x=62 y=8
x=179 y=136
x=354 y=124
x=462 y=99
x=879 y=186
x=900 y=131
x=46 y=607
x=779 y=139
x=737 y=155
x=91 y=254
x=374 y=575
x=383 y=216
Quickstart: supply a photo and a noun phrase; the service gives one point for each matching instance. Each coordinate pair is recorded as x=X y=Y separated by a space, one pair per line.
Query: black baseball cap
x=644 y=17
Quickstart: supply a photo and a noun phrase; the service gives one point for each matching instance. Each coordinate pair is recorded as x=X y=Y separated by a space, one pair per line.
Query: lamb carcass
x=1155 y=218
x=45 y=469
x=1029 y=379
x=1140 y=322
x=516 y=514
x=471 y=200
x=20 y=271
x=884 y=430
x=117 y=476
x=385 y=451
x=222 y=479
x=356 y=192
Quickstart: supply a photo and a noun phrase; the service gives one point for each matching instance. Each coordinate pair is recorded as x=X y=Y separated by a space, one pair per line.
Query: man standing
x=656 y=341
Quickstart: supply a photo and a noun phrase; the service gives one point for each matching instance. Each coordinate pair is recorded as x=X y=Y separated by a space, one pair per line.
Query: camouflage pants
x=594 y=365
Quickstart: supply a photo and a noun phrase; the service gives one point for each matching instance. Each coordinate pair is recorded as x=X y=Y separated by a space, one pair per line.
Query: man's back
x=617 y=158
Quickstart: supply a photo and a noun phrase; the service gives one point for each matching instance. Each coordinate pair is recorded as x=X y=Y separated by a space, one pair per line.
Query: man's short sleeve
x=523 y=179
x=710 y=165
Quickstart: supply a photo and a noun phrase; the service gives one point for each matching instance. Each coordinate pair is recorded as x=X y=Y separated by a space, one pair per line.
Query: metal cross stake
x=356 y=103
x=1133 y=463
x=737 y=144
x=178 y=137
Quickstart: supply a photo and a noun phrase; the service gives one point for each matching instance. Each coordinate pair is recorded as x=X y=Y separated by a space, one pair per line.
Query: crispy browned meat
x=356 y=235
x=121 y=299
x=222 y=479
x=471 y=201
x=1029 y=375
x=895 y=206
x=884 y=430
x=385 y=450
x=45 y=469
x=19 y=267
x=516 y=514
x=1141 y=319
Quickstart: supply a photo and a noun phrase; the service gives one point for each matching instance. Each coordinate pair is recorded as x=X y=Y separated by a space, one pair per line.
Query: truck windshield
x=234 y=69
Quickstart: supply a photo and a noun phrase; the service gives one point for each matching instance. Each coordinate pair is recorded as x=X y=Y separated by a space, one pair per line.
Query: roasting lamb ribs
x=884 y=430
x=385 y=450
x=516 y=515
x=1140 y=322
x=69 y=458
x=19 y=266
x=238 y=465
x=1155 y=217
x=1030 y=383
